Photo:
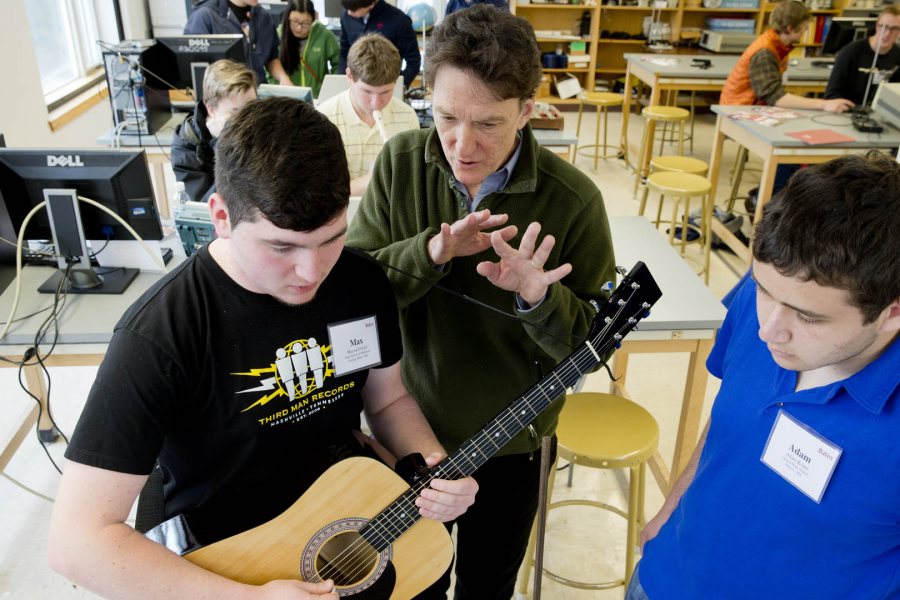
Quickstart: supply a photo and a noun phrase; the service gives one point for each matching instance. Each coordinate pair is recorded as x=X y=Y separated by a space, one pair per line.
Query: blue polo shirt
x=214 y=16
x=740 y=530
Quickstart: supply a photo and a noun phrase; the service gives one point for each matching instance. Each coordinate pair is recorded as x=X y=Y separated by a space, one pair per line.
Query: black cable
x=94 y=255
x=37 y=424
x=59 y=298
x=456 y=294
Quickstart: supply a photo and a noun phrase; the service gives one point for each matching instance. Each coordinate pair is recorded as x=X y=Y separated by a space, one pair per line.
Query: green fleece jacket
x=322 y=53
x=461 y=362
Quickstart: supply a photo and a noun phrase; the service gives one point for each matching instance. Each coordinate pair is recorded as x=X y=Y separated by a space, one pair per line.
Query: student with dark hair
x=224 y=375
x=227 y=86
x=247 y=18
x=309 y=51
x=793 y=491
x=377 y=16
x=850 y=74
x=477 y=205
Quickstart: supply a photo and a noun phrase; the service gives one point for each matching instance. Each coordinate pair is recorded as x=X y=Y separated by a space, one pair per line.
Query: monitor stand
x=71 y=248
x=116 y=281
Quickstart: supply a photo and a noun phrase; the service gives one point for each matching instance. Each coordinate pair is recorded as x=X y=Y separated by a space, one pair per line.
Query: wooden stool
x=654 y=114
x=602 y=431
x=674 y=164
x=684 y=186
x=602 y=100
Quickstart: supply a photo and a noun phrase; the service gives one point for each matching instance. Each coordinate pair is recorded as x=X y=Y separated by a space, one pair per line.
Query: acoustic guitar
x=358 y=523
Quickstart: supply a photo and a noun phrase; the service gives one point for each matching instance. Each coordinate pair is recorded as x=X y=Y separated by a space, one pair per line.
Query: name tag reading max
x=354 y=345
x=801 y=456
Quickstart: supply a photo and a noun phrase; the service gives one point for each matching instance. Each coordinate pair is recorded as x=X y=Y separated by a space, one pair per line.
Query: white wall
x=23 y=113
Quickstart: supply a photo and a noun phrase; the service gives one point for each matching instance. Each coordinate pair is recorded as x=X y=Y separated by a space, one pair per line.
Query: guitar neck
x=623 y=312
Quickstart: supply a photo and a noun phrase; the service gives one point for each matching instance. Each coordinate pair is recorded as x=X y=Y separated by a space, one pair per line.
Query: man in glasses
x=854 y=62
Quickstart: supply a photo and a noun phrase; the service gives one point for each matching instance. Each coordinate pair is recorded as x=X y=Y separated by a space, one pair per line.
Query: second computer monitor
x=180 y=61
x=845 y=30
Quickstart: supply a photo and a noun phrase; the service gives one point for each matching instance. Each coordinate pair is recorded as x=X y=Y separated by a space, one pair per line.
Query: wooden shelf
x=638 y=8
x=556 y=6
x=722 y=10
x=615 y=41
x=567 y=70
x=609 y=71
x=556 y=40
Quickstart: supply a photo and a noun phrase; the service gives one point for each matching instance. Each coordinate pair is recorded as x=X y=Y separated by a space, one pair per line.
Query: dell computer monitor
x=180 y=61
x=844 y=30
x=116 y=179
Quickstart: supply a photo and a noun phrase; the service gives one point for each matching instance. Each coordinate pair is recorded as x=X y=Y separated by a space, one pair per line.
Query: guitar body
x=315 y=539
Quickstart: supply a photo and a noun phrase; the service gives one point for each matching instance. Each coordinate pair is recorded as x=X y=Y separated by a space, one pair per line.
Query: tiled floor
x=581 y=543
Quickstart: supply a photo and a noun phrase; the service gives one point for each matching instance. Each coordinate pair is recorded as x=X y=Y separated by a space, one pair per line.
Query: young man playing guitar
x=242 y=374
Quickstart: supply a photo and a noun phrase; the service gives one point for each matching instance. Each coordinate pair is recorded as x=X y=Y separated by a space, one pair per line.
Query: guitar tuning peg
x=646 y=313
x=608 y=286
x=595 y=305
x=621 y=270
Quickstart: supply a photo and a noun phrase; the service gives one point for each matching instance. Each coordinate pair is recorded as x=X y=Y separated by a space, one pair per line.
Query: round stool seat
x=679 y=164
x=602 y=98
x=678 y=184
x=665 y=113
x=605 y=431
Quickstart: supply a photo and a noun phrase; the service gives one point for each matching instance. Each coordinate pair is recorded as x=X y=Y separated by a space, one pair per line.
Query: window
x=65 y=41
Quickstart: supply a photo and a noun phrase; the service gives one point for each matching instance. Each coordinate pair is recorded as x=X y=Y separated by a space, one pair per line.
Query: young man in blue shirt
x=793 y=491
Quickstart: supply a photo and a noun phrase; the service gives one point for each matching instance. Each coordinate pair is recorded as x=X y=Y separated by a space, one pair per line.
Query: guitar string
x=360 y=561
x=360 y=558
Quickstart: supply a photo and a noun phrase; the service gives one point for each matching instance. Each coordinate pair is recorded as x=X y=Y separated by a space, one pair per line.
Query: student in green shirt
x=308 y=50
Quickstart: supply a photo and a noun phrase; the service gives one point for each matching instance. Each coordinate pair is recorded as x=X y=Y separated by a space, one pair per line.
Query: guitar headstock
x=627 y=305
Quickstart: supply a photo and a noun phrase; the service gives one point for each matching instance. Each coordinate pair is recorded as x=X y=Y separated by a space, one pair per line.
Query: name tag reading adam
x=354 y=345
x=800 y=455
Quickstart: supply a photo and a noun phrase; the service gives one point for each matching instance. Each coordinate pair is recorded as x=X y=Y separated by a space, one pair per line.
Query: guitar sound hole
x=346 y=558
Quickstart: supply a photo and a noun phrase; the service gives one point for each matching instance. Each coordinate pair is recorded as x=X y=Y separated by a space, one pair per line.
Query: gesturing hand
x=522 y=270
x=466 y=236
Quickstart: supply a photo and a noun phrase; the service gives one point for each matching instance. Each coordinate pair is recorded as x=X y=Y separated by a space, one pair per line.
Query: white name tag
x=354 y=345
x=802 y=457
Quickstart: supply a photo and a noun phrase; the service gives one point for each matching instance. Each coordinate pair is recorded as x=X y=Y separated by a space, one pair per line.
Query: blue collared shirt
x=494 y=182
x=741 y=530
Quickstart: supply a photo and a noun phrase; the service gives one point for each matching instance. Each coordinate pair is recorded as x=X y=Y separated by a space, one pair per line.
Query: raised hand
x=467 y=236
x=522 y=271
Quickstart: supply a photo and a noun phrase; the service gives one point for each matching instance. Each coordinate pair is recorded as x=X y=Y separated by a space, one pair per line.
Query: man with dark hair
x=227 y=86
x=247 y=18
x=227 y=374
x=851 y=73
x=463 y=206
x=377 y=16
x=793 y=491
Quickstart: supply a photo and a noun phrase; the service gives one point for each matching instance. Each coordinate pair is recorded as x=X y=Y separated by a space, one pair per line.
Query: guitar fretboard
x=402 y=514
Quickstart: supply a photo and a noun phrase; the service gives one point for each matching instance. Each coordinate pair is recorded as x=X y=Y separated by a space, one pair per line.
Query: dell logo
x=64 y=161
x=198 y=43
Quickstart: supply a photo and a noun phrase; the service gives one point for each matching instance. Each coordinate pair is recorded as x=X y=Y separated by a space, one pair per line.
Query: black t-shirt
x=846 y=79
x=198 y=376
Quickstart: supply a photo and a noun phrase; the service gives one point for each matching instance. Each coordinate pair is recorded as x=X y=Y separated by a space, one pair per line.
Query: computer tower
x=137 y=108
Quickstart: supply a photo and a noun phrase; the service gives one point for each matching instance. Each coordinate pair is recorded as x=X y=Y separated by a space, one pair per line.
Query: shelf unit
x=606 y=54
x=565 y=18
